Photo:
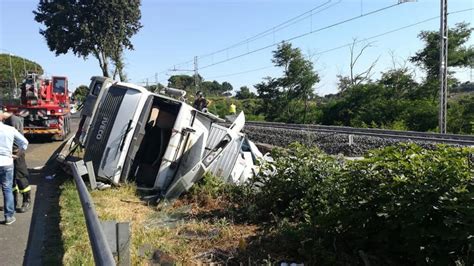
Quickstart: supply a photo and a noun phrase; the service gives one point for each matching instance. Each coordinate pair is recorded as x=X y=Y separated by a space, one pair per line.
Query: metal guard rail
x=100 y=248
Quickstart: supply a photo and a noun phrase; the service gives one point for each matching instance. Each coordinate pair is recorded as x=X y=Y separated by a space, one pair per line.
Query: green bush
x=401 y=205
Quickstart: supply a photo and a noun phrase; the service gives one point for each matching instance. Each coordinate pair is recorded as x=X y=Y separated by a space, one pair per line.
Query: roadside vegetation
x=401 y=205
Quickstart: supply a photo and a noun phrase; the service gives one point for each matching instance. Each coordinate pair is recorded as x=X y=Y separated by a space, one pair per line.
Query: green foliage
x=155 y=88
x=460 y=54
x=80 y=93
x=461 y=116
x=100 y=28
x=287 y=98
x=244 y=93
x=182 y=82
x=221 y=106
x=465 y=87
x=402 y=205
x=19 y=65
x=394 y=101
x=209 y=185
x=209 y=88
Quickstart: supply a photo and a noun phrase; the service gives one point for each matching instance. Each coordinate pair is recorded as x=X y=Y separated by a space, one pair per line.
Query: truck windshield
x=59 y=85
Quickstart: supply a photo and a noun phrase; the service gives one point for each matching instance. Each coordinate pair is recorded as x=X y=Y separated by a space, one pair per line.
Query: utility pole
x=196 y=75
x=443 y=66
x=13 y=76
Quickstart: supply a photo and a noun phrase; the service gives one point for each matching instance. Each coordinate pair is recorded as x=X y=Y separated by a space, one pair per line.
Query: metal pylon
x=443 y=67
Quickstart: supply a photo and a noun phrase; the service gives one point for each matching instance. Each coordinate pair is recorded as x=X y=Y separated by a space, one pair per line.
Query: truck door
x=184 y=180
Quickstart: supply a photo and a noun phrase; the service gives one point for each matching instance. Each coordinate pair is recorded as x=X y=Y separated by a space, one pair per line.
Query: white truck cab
x=159 y=142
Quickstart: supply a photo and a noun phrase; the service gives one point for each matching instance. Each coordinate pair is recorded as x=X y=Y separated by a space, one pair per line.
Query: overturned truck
x=161 y=143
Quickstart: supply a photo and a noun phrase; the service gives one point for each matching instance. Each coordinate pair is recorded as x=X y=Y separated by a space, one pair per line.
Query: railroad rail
x=465 y=140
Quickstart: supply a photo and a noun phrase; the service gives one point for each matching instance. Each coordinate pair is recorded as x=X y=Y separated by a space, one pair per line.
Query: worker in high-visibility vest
x=232 y=109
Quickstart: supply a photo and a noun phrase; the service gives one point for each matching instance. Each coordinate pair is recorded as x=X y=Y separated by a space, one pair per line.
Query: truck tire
x=64 y=130
x=61 y=136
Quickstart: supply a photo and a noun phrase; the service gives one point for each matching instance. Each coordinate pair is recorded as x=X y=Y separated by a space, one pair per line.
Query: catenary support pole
x=443 y=66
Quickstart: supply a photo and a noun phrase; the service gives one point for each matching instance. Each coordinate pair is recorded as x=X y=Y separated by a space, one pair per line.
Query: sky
x=175 y=31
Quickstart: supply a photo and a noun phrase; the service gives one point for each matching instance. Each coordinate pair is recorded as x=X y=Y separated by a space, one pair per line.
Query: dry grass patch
x=186 y=231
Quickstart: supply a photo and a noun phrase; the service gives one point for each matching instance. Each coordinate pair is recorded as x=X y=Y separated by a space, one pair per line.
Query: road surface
x=22 y=242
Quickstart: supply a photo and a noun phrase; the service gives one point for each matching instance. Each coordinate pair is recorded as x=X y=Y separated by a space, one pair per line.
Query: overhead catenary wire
x=242 y=72
x=262 y=34
x=351 y=43
x=305 y=34
x=276 y=28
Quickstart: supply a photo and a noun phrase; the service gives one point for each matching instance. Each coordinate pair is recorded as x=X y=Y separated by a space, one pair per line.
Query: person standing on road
x=8 y=137
x=21 y=174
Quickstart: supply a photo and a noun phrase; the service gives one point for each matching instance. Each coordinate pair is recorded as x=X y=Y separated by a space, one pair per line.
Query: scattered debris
x=213 y=256
x=102 y=186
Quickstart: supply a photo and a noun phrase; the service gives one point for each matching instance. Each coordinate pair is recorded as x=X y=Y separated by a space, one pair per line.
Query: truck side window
x=59 y=85
x=96 y=89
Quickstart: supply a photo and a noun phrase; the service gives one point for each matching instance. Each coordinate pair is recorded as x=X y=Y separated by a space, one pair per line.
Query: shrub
x=400 y=205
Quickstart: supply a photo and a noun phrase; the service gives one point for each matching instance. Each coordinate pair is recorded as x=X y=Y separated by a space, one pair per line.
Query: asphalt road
x=22 y=242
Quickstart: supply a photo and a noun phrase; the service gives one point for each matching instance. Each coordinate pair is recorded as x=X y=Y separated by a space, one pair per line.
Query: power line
x=276 y=28
x=260 y=35
x=242 y=72
x=351 y=43
x=305 y=34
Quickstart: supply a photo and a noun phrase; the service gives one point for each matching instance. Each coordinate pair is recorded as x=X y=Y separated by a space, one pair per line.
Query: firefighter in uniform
x=200 y=103
x=20 y=175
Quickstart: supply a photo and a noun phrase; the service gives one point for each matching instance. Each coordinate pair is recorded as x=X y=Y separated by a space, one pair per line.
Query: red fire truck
x=44 y=106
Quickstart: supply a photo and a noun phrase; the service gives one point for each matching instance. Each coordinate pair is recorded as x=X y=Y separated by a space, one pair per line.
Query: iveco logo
x=103 y=125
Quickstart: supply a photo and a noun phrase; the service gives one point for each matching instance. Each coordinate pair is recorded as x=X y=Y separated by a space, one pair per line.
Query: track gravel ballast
x=331 y=143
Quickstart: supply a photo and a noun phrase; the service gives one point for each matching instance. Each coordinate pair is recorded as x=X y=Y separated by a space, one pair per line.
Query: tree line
x=396 y=100
x=12 y=72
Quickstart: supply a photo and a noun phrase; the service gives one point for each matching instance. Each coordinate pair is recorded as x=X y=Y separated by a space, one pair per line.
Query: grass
x=183 y=232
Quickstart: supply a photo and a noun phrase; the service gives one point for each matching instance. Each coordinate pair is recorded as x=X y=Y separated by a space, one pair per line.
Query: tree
x=356 y=78
x=15 y=72
x=287 y=93
x=460 y=54
x=12 y=75
x=182 y=82
x=226 y=86
x=155 y=88
x=399 y=83
x=244 y=93
x=80 y=93
x=100 y=28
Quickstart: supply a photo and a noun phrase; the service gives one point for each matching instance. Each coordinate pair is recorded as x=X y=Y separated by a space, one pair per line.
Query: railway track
x=465 y=140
